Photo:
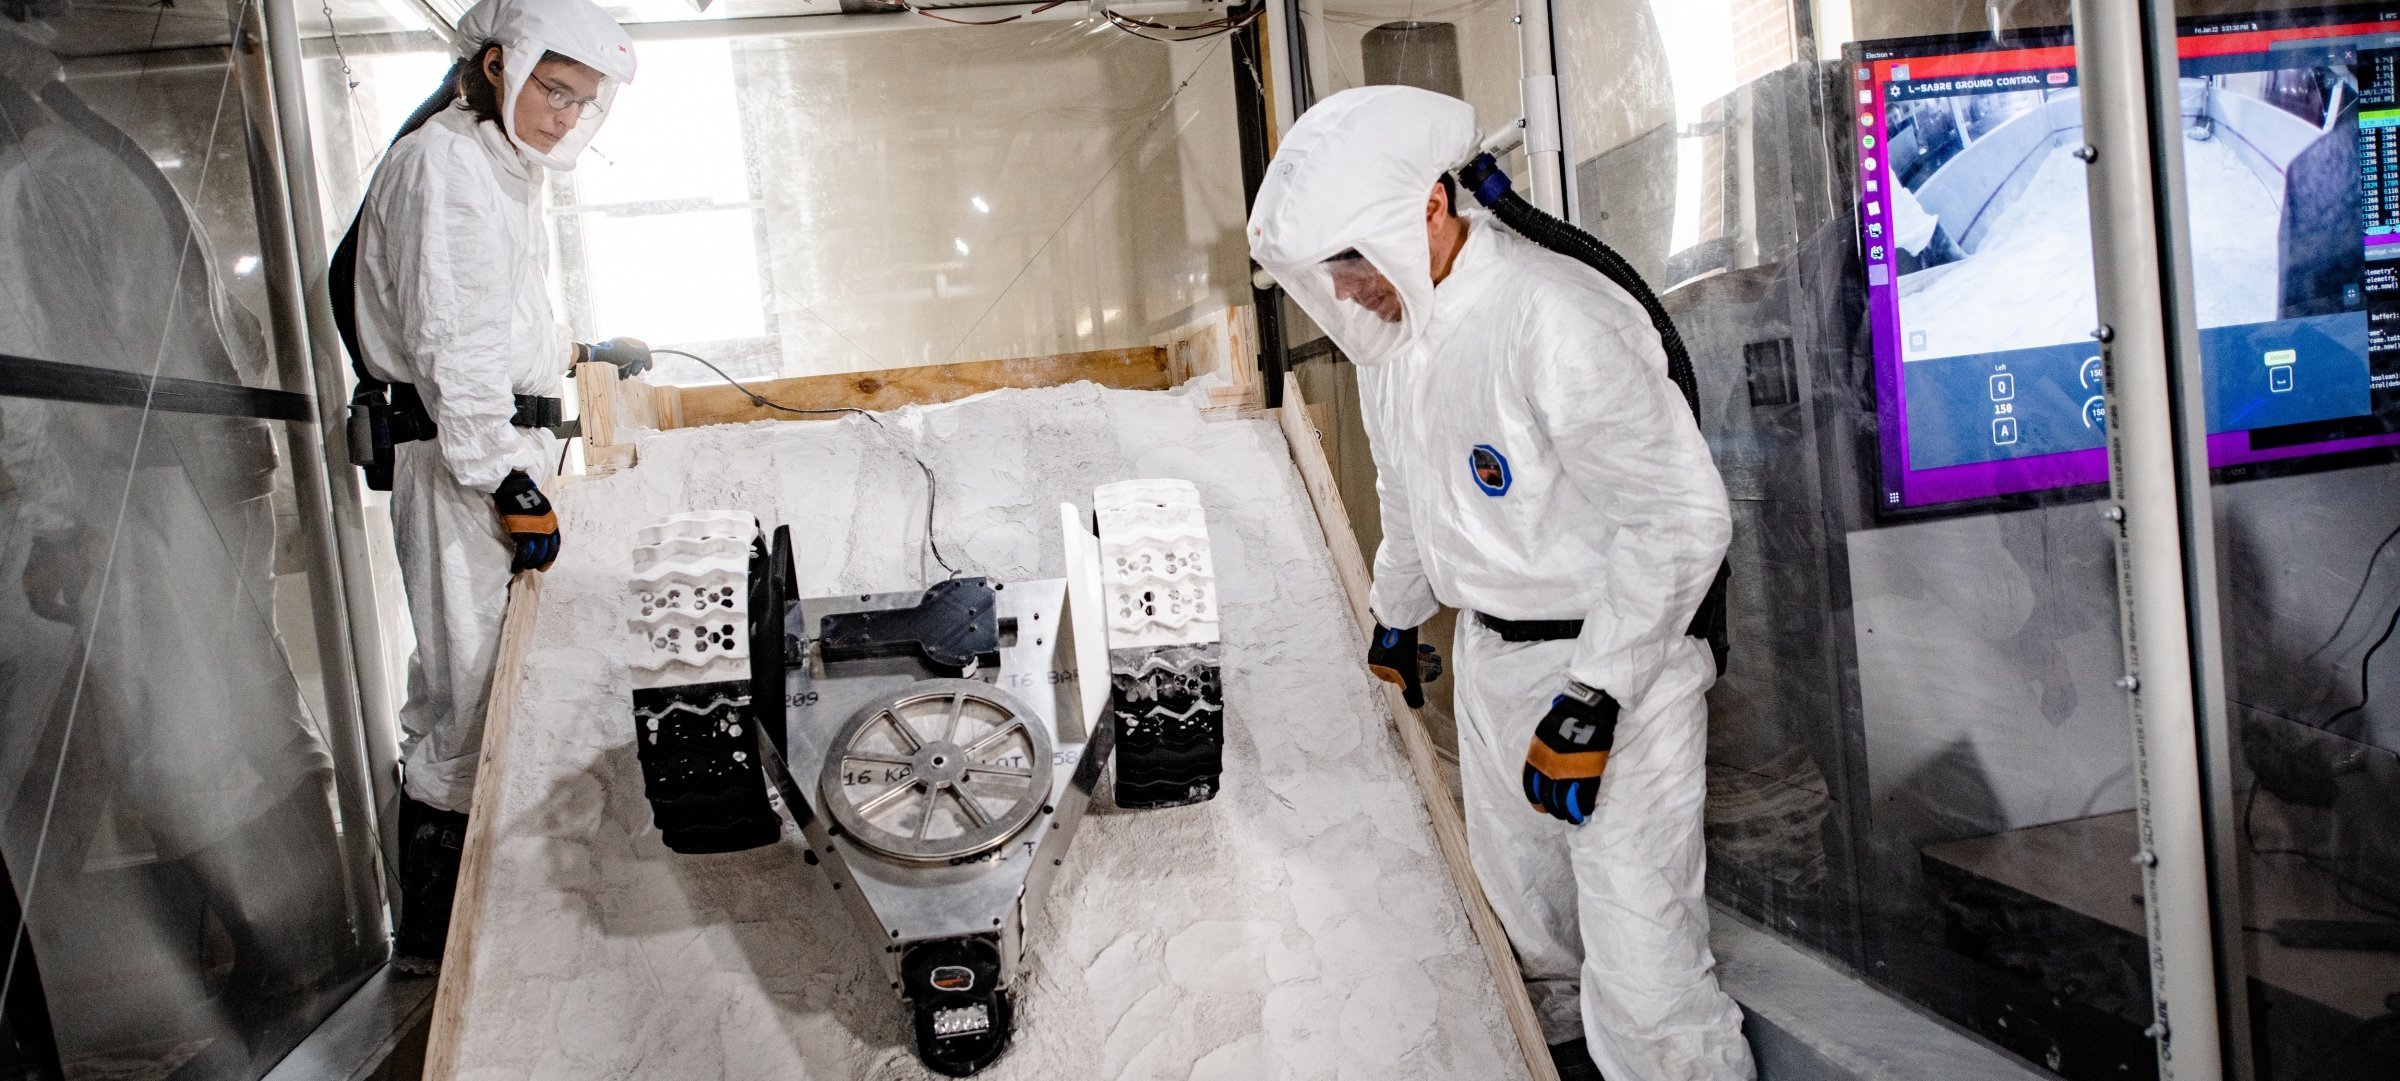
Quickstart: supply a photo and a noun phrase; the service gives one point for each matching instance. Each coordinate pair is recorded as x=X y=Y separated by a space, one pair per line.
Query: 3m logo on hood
x=1490 y=468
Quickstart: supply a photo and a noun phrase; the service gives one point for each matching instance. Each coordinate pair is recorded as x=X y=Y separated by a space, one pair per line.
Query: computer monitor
x=1974 y=232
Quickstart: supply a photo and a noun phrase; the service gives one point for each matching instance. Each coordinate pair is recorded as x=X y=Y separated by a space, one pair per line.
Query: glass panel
x=918 y=196
x=185 y=891
x=2290 y=152
x=1877 y=253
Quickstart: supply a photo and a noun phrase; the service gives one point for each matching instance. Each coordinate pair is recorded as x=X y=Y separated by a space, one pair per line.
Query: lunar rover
x=936 y=748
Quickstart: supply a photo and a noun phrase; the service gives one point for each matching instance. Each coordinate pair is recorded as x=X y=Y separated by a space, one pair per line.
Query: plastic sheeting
x=188 y=897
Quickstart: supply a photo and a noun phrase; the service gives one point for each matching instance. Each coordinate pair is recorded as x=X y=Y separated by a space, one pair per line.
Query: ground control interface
x=1975 y=235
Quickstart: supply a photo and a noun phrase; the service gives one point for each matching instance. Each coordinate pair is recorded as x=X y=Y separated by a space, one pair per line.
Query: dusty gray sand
x=1301 y=925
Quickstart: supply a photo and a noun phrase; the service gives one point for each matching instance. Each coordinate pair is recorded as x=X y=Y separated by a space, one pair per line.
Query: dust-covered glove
x=1569 y=750
x=630 y=355
x=1396 y=657
x=530 y=524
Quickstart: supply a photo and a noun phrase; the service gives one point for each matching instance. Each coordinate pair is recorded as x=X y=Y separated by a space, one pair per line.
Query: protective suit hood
x=1354 y=173
x=525 y=29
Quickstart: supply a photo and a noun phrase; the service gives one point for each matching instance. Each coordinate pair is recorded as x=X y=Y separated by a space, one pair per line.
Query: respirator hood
x=1353 y=174
x=526 y=29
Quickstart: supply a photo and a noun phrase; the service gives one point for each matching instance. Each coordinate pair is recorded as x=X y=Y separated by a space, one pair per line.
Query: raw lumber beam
x=1449 y=825
x=1223 y=342
x=613 y=410
x=458 y=954
x=1142 y=368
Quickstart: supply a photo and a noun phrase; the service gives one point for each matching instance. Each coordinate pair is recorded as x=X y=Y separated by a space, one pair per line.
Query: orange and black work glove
x=1569 y=750
x=527 y=519
x=1396 y=658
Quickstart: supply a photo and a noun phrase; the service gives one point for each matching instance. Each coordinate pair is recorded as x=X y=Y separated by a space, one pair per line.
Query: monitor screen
x=1975 y=235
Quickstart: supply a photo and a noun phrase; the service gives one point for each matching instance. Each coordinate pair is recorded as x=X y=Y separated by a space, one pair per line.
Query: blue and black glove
x=630 y=355
x=1568 y=753
x=1396 y=657
x=529 y=522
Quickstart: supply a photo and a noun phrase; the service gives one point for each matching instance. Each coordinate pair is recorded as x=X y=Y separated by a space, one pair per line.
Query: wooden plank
x=458 y=953
x=1142 y=368
x=1449 y=824
x=666 y=408
x=596 y=399
x=1223 y=342
x=612 y=413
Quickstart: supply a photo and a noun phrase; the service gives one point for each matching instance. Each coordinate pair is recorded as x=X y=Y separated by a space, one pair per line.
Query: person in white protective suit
x=1539 y=471
x=452 y=307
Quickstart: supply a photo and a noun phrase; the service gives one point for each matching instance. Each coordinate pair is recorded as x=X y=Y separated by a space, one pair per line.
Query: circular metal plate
x=945 y=769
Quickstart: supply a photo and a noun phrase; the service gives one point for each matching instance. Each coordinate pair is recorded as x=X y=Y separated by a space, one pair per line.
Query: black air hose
x=1491 y=187
x=1483 y=177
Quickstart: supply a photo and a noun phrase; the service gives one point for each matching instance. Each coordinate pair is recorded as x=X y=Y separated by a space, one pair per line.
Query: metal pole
x=1250 y=117
x=332 y=385
x=1288 y=27
x=834 y=23
x=2159 y=506
x=345 y=728
x=1545 y=140
x=139 y=63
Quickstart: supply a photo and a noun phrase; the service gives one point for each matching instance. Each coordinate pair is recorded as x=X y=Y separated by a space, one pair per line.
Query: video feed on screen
x=1975 y=231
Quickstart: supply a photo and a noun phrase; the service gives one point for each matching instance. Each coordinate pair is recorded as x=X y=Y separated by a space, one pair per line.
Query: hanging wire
x=349 y=77
x=913 y=8
x=932 y=486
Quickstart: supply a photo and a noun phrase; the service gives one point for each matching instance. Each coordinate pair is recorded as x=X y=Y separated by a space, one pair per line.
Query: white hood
x=525 y=29
x=1354 y=173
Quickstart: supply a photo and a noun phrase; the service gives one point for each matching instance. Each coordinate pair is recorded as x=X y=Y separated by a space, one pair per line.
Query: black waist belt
x=412 y=422
x=1531 y=630
x=1556 y=630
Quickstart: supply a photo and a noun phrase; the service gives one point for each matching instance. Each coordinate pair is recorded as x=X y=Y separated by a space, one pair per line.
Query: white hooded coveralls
x=454 y=298
x=1534 y=462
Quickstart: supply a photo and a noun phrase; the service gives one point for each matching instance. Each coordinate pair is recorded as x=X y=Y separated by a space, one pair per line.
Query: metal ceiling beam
x=837 y=23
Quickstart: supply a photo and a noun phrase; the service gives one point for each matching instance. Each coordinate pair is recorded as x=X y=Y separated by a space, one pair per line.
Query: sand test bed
x=1301 y=925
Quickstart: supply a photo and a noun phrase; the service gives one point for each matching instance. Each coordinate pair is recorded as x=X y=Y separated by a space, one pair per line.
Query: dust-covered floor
x=1301 y=925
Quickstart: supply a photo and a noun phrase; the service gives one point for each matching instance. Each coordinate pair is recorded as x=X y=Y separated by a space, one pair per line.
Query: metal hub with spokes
x=945 y=769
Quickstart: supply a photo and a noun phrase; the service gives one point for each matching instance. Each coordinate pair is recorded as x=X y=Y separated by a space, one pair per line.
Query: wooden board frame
x=475 y=861
x=642 y=406
x=616 y=411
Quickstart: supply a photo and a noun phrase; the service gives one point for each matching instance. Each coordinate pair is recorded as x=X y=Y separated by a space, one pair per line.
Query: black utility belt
x=379 y=423
x=1546 y=630
x=1531 y=630
x=411 y=422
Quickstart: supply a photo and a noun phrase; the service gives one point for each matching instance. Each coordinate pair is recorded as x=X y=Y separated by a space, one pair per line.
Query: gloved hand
x=630 y=355
x=1569 y=750
x=1396 y=657
x=527 y=519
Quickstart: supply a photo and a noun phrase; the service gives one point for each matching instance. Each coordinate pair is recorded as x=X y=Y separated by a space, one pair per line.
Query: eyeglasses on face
x=561 y=98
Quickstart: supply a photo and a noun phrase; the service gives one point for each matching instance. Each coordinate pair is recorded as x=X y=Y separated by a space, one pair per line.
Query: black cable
x=2345 y=887
x=1483 y=179
x=913 y=8
x=2250 y=834
x=2366 y=664
x=1214 y=28
x=2360 y=595
x=932 y=487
